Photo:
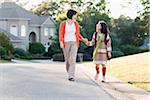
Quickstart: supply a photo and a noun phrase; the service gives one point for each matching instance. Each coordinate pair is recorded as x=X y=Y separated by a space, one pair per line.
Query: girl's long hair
x=104 y=30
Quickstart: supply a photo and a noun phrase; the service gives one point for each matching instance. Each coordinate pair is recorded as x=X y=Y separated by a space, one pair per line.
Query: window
x=23 y=30
x=13 y=30
x=52 y=31
x=45 y=31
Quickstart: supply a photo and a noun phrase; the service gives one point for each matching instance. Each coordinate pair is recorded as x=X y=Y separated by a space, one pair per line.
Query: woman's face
x=74 y=17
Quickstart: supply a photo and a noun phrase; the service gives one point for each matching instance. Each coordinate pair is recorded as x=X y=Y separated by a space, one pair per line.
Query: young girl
x=102 y=51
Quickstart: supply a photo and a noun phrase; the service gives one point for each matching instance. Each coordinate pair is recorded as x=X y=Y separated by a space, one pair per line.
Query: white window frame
x=52 y=31
x=46 y=31
x=15 y=32
x=23 y=30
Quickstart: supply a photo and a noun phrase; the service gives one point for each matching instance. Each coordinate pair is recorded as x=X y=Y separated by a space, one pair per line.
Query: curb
x=116 y=88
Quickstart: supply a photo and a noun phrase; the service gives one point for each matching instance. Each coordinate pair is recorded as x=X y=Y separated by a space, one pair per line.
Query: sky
x=116 y=7
x=121 y=7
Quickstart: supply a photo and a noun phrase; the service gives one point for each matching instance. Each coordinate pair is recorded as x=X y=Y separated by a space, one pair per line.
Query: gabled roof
x=10 y=10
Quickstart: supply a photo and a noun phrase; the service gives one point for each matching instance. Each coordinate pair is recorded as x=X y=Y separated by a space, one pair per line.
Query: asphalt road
x=34 y=81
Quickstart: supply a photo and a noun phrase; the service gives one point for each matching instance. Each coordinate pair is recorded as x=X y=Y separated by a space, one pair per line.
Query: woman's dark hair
x=70 y=13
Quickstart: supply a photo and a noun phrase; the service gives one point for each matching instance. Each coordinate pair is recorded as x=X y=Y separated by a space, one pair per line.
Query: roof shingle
x=13 y=11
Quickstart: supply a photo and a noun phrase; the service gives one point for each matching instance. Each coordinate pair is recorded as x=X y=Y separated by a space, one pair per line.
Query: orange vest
x=62 y=33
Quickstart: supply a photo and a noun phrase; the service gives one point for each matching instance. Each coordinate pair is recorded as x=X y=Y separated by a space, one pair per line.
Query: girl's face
x=98 y=27
x=74 y=17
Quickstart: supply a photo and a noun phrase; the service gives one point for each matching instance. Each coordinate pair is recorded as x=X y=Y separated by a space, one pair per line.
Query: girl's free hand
x=109 y=54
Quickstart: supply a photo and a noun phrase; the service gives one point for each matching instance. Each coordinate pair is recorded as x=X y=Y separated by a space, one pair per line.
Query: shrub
x=130 y=49
x=5 y=42
x=6 y=57
x=16 y=56
x=2 y=52
x=19 y=52
x=36 y=48
x=50 y=53
x=27 y=56
x=117 y=54
x=58 y=57
x=87 y=57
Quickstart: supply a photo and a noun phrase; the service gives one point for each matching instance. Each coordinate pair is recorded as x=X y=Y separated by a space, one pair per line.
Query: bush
x=117 y=54
x=27 y=56
x=87 y=57
x=36 y=48
x=19 y=52
x=7 y=58
x=130 y=49
x=6 y=43
x=2 y=52
x=60 y=57
x=53 y=49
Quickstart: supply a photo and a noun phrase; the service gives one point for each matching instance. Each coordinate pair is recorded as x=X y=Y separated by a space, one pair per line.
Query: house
x=24 y=27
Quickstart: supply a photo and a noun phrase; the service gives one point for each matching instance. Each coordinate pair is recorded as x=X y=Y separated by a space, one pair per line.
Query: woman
x=69 y=38
x=102 y=51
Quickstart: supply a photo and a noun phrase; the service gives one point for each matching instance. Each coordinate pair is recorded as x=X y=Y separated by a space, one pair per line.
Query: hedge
x=36 y=48
x=60 y=57
x=130 y=49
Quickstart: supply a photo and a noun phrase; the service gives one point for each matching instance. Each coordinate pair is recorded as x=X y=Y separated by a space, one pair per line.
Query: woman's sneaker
x=103 y=80
x=71 y=79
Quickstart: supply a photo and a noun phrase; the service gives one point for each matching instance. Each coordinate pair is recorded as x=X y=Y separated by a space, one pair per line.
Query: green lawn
x=134 y=69
x=4 y=61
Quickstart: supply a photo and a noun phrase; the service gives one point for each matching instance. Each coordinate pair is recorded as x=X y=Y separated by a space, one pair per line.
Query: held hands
x=88 y=43
x=85 y=40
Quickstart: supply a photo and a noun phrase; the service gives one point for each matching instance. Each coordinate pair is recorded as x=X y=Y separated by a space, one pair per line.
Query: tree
x=130 y=31
x=49 y=8
x=145 y=16
x=5 y=43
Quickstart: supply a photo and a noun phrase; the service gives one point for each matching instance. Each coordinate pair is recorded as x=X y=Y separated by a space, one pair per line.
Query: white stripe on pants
x=70 y=53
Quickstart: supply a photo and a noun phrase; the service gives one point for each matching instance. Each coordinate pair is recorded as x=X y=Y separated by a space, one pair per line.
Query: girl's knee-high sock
x=104 y=71
x=97 y=69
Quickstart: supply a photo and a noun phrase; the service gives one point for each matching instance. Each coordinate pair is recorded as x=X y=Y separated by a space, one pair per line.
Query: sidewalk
x=116 y=87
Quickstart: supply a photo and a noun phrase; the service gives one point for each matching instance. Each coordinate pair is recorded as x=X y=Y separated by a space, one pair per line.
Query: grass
x=134 y=69
x=4 y=61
